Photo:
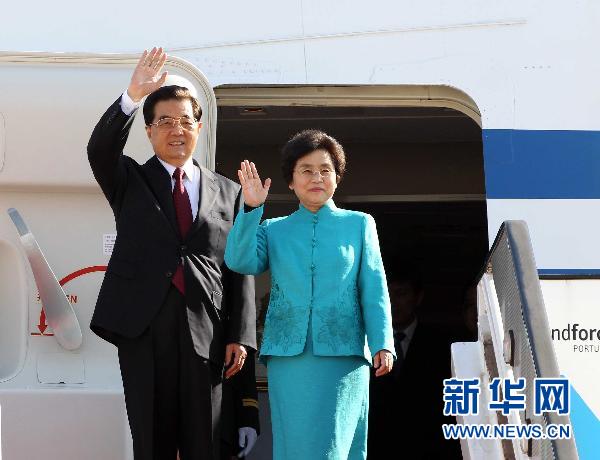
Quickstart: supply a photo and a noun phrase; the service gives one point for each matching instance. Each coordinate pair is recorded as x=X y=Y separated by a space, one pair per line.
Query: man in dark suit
x=406 y=406
x=168 y=302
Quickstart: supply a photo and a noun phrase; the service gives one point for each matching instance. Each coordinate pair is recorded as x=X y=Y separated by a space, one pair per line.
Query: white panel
x=390 y=15
x=571 y=302
x=60 y=368
x=556 y=84
x=265 y=63
x=117 y=26
x=64 y=425
x=564 y=233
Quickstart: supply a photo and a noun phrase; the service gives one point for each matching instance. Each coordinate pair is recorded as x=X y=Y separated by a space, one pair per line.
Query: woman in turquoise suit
x=329 y=310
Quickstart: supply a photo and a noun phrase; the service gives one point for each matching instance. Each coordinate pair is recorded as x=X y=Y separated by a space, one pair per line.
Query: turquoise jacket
x=327 y=263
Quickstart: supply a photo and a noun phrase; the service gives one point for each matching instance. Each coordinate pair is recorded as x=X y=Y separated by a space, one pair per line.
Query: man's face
x=405 y=300
x=174 y=144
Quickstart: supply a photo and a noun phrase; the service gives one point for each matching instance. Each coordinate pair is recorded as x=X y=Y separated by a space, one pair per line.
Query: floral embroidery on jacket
x=342 y=323
x=284 y=323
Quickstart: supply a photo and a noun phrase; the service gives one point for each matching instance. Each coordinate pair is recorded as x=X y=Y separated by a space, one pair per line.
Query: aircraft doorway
x=414 y=161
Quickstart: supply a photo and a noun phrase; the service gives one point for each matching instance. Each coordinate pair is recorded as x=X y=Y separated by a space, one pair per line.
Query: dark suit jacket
x=406 y=408
x=148 y=248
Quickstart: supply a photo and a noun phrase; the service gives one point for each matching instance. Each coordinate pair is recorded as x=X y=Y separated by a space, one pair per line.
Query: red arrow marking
x=42 y=326
x=76 y=274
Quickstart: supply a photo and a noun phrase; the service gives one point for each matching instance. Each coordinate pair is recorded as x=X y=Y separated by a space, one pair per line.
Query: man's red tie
x=183 y=211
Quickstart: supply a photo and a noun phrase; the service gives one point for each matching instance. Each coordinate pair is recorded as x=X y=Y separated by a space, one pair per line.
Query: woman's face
x=314 y=180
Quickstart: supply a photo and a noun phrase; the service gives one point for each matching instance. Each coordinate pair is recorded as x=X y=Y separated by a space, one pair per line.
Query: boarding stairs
x=513 y=342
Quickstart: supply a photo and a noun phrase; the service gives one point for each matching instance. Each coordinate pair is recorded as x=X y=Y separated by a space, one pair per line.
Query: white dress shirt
x=191 y=180
x=127 y=104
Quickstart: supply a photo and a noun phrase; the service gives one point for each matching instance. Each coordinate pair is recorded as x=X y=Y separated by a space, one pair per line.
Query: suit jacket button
x=169 y=274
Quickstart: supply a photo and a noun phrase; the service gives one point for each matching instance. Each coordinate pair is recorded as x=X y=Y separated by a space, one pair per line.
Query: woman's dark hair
x=308 y=141
x=166 y=93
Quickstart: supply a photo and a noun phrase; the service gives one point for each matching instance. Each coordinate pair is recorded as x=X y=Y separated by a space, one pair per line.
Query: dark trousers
x=173 y=396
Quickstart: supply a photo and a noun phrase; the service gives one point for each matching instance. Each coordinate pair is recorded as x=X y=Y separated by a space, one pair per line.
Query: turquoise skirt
x=319 y=406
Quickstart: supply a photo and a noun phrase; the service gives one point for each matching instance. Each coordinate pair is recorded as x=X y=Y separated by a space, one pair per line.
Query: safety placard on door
x=108 y=243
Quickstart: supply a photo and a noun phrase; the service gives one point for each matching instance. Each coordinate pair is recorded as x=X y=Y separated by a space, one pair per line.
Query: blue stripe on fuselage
x=541 y=164
x=569 y=272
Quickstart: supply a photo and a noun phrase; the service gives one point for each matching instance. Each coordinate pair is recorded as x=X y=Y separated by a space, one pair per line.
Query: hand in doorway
x=235 y=355
x=255 y=193
x=147 y=76
x=383 y=361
